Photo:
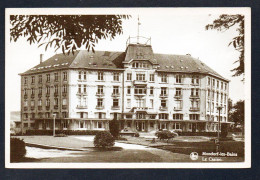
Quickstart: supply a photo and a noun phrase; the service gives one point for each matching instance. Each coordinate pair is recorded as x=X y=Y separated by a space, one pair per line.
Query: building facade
x=143 y=90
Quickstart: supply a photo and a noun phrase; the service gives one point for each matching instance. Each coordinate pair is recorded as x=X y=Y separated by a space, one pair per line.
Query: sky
x=172 y=31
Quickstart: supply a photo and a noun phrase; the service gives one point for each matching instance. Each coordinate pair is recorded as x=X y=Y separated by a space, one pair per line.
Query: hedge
x=213 y=134
x=66 y=132
x=17 y=149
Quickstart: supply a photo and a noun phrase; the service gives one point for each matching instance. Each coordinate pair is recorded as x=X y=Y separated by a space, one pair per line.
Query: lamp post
x=54 y=116
x=219 y=109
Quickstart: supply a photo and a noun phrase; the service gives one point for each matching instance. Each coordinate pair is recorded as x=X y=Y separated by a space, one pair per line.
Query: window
x=25 y=103
x=128 y=103
x=79 y=88
x=140 y=90
x=163 y=91
x=64 y=101
x=136 y=65
x=33 y=115
x=221 y=85
x=100 y=89
x=194 y=92
x=32 y=91
x=179 y=78
x=64 y=88
x=79 y=75
x=48 y=77
x=64 y=114
x=194 y=116
x=116 y=76
x=208 y=81
x=176 y=126
x=164 y=78
x=85 y=75
x=56 y=101
x=81 y=114
x=65 y=76
x=208 y=104
x=56 y=77
x=100 y=102
x=140 y=103
x=39 y=102
x=225 y=86
x=25 y=91
x=194 y=104
x=115 y=89
x=25 y=115
x=163 y=103
x=225 y=108
x=195 y=80
x=212 y=107
x=128 y=89
x=152 y=77
x=47 y=89
x=217 y=96
x=25 y=125
x=47 y=102
x=84 y=88
x=221 y=98
x=208 y=93
x=178 y=92
x=33 y=79
x=163 y=116
x=32 y=103
x=178 y=105
x=100 y=76
x=115 y=102
x=40 y=79
x=151 y=125
x=140 y=77
x=129 y=77
x=151 y=90
x=140 y=116
x=213 y=82
x=151 y=103
x=25 y=80
x=99 y=125
x=85 y=101
x=56 y=89
x=40 y=90
x=217 y=84
x=177 y=116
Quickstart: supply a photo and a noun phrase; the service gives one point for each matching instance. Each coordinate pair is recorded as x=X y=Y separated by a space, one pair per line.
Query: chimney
x=41 y=55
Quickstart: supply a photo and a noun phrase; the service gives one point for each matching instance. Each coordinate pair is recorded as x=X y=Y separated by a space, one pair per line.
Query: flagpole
x=138 y=31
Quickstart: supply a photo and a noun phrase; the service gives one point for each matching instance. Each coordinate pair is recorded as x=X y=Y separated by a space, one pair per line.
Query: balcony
x=194 y=108
x=56 y=94
x=32 y=96
x=100 y=107
x=178 y=96
x=56 y=106
x=25 y=108
x=115 y=94
x=32 y=108
x=140 y=82
x=163 y=95
x=100 y=94
x=64 y=94
x=177 y=108
x=193 y=96
x=82 y=106
x=48 y=95
x=39 y=108
x=25 y=96
x=163 y=108
x=64 y=106
x=141 y=108
x=140 y=94
x=115 y=107
x=47 y=107
x=39 y=95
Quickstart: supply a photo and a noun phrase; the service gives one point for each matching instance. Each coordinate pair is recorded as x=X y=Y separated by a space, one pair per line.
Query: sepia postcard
x=128 y=88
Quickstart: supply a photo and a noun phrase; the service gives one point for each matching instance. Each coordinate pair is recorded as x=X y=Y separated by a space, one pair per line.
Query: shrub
x=17 y=149
x=136 y=134
x=165 y=134
x=67 y=132
x=114 y=128
x=104 y=139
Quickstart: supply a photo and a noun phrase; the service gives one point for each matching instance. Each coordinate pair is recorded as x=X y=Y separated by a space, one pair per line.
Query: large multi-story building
x=145 y=91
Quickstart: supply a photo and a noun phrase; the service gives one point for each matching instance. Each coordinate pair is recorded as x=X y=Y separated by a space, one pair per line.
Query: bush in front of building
x=17 y=149
x=114 y=128
x=104 y=139
x=165 y=134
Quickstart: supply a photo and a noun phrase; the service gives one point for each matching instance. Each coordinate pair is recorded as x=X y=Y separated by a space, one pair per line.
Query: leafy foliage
x=104 y=139
x=165 y=134
x=223 y=23
x=17 y=149
x=114 y=128
x=68 y=32
x=237 y=114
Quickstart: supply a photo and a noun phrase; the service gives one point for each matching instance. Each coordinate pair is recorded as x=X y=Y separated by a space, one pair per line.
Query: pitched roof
x=114 y=60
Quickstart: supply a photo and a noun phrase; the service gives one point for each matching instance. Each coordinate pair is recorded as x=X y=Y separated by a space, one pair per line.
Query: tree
x=238 y=113
x=68 y=32
x=114 y=128
x=104 y=139
x=223 y=23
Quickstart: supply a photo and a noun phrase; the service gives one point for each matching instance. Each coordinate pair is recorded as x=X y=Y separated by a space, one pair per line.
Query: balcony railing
x=140 y=82
x=177 y=108
x=47 y=107
x=82 y=107
x=56 y=106
x=163 y=108
x=64 y=94
x=194 y=96
x=25 y=108
x=56 y=94
x=115 y=107
x=64 y=106
x=100 y=107
x=163 y=95
x=32 y=108
x=194 y=108
x=115 y=94
x=140 y=108
x=32 y=96
x=100 y=94
x=39 y=95
x=25 y=96
x=178 y=96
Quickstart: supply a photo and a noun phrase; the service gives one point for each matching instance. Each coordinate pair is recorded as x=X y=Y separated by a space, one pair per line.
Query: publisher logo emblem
x=194 y=156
